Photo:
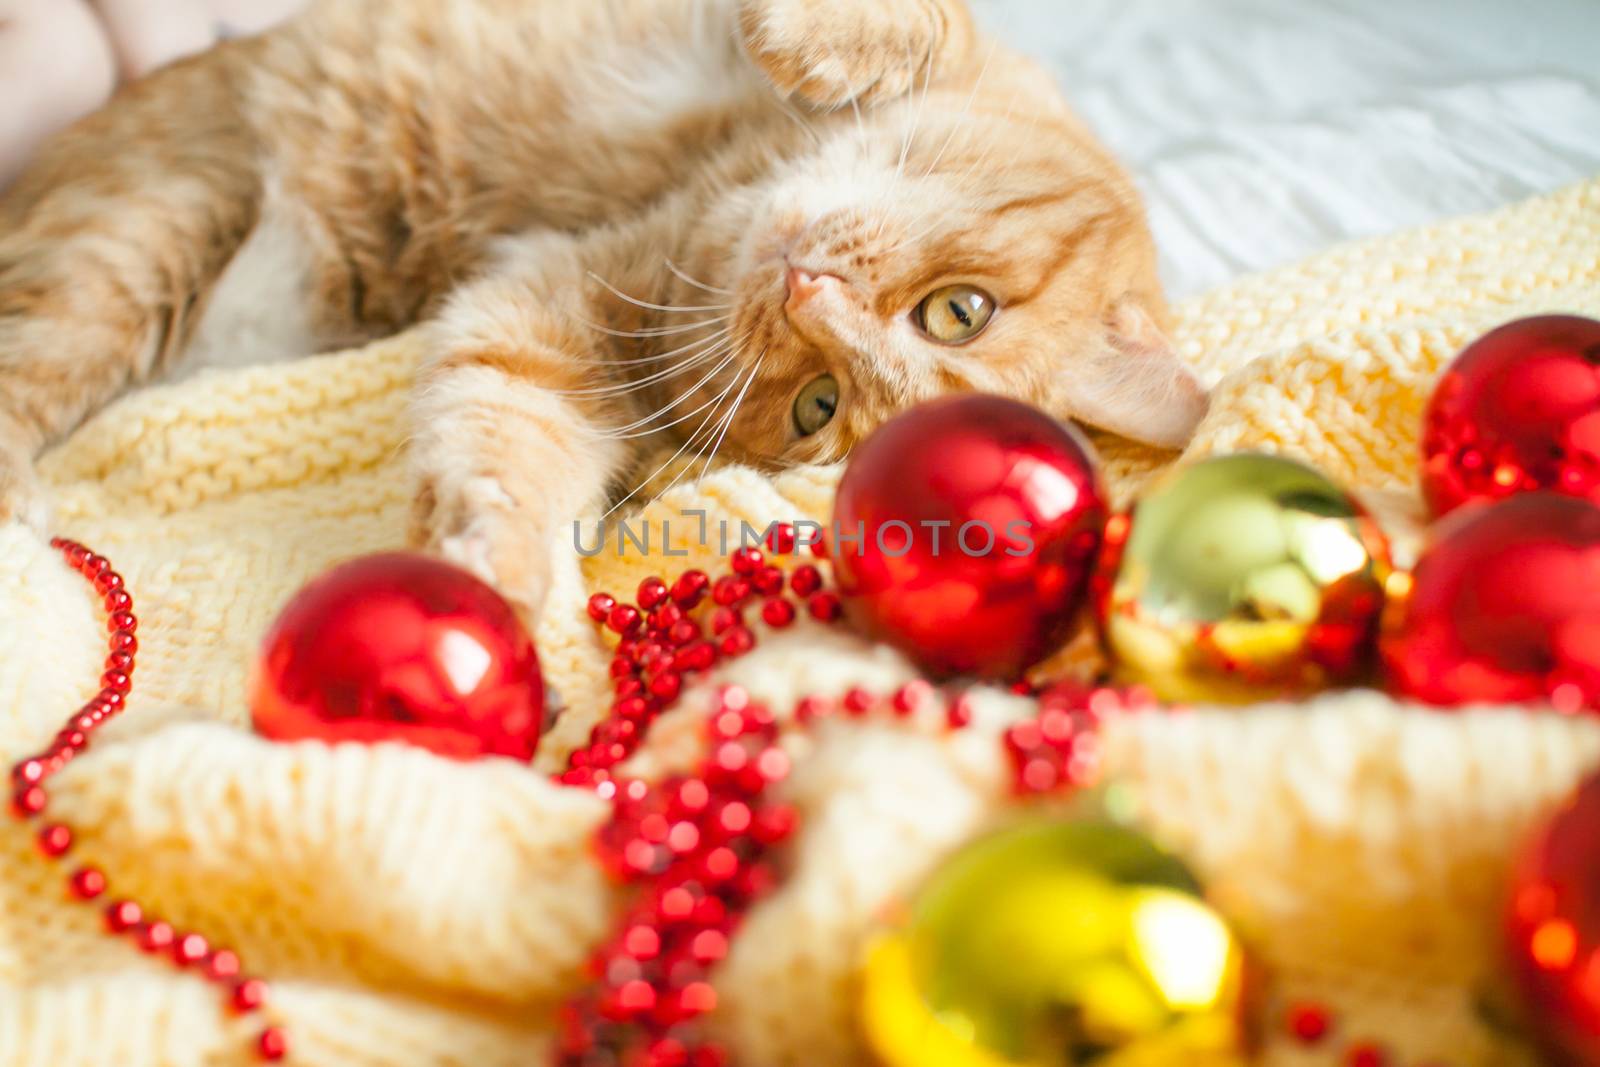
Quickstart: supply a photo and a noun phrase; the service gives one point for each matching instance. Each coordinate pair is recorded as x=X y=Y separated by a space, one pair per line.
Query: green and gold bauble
x=1242 y=578
x=1059 y=943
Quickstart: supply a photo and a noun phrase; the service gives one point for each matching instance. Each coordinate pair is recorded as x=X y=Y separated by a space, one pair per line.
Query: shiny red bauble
x=964 y=533
x=1518 y=410
x=1503 y=607
x=1553 y=931
x=401 y=647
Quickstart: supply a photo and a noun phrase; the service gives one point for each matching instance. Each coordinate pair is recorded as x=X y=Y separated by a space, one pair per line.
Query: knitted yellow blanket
x=415 y=911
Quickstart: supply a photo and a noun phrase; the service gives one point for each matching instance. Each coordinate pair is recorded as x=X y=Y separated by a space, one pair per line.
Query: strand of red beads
x=1312 y=1024
x=87 y=883
x=661 y=641
x=699 y=848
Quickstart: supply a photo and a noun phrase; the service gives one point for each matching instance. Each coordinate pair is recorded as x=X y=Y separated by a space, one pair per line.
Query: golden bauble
x=1239 y=579
x=1059 y=943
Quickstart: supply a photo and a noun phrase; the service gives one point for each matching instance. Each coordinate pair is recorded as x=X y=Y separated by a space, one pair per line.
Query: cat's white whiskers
x=909 y=137
x=622 y=388
x=687 y=444
x=916 y=118
x=638 y=360
x=799 y=120
x=674 y=308
x=700 y=452
x=636 y=428
x=697 y=283
x=732 y=412
x=967 y=174
x=966 y=110
x=657 y=331
x=996 y=137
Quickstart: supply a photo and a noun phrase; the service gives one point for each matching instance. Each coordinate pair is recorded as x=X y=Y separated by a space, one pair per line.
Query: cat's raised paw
x=828 y=53
x=476 y=525
x=22 y=499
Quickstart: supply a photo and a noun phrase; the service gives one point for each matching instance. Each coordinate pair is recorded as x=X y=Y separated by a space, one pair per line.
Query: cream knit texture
x=414 y=911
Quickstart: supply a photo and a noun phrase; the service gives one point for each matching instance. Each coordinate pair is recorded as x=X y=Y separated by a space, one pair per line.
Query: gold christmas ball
x=1239 y=579
x=1059 y=943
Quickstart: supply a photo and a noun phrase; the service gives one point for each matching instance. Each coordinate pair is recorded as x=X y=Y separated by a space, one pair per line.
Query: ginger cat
x=756 y=228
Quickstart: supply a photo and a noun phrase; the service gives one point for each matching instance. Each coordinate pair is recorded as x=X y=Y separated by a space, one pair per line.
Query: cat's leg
x=830 y=52
x=506 y=459
x=108 y=244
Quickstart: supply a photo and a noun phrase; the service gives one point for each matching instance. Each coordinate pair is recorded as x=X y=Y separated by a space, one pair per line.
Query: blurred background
x=1264 y=130
x=1261 y=130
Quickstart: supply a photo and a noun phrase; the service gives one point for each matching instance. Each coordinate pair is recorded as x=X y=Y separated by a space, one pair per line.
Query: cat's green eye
x=816 y=404
x=954 y=314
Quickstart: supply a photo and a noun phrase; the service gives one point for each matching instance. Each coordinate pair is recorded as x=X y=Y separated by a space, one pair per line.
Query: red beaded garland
x=805 y=580
x=123 y=916
x=1060 y=747
x=223 y=965
x=190 y=949
x=662 y=645
x=824 y=606
x=690 y=589
x=777 y=613
x=1366 y=1055
x=157 y=936
x=273 y=1044
x=653 y=592
x=780 y=539
x=1309 y=1023
x=249 y=994
x=625 y=620
x=729 y=590
x=697 y=847
x=29 y=801
x=909 y=697
x=87 y=883
x=55 y=840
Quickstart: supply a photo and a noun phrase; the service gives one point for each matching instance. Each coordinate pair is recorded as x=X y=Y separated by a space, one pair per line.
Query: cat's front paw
x=477 y=525
x=22 y=498
x=828 y=53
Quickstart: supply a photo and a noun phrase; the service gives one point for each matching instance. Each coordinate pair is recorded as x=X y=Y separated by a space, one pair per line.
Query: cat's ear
x=1129 y=380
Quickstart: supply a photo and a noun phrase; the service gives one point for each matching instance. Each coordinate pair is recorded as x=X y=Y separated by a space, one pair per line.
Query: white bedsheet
x=1265 y=130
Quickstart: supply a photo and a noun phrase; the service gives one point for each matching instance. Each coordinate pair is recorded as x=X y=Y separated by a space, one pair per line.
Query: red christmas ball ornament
x=1519 y=409
x=401 y=647
x=1504 y=607
x=1552 y=944
x=964 y=534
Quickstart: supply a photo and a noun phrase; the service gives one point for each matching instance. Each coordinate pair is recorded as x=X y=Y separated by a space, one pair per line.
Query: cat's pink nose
x=804 y=285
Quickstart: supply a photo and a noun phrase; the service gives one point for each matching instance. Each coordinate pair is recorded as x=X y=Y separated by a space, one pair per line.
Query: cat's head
x=972 y=238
